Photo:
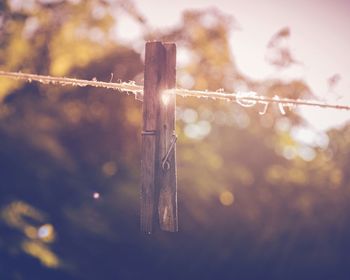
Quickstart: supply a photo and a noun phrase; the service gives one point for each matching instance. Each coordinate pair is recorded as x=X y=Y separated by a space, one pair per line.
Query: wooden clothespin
x=158 y=164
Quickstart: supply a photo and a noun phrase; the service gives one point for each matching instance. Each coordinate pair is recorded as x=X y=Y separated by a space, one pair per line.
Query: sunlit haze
x=319 y=41
x=103 y=177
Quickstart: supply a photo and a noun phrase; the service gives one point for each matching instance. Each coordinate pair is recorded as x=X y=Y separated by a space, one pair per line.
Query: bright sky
x=320 y=39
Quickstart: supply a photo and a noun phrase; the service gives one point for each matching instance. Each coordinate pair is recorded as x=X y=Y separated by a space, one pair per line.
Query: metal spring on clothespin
x=165 y=162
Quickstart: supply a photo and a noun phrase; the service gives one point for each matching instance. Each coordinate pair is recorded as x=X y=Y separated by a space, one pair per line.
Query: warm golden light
x=21 y=215
x=41 y=252
x=226 y=198
x=31 y=232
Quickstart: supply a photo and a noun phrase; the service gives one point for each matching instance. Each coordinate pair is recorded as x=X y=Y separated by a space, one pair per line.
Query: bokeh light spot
x=226 y=198
x=189 y=116
x=46 y=233
x=289 y=152
x=96 y=195
x=197 y=130
x=307 y=153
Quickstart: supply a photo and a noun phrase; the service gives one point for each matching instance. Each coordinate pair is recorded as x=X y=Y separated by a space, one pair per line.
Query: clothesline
x=246 y=99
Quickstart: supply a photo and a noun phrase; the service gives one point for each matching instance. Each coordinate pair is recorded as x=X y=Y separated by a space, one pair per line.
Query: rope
x=128 y=87
x=249 y=99
x=245 y=99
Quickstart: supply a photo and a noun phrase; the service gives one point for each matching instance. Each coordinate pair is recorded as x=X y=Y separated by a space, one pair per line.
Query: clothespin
x=158 y=164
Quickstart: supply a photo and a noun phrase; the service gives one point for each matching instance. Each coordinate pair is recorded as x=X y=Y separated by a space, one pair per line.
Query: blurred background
x=261 y=196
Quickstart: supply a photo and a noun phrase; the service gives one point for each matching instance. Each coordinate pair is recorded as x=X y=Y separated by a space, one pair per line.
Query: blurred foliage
x=255 y=201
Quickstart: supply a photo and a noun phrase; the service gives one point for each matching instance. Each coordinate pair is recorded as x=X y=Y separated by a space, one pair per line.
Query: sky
x=319 y=39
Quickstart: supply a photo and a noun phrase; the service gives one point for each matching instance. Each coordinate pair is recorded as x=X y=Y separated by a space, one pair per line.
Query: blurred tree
x=271 y=206
x=279 y=53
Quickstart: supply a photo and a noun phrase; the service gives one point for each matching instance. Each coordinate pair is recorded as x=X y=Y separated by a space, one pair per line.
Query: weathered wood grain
x=159 y=185
x=167 y=206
